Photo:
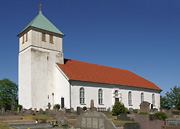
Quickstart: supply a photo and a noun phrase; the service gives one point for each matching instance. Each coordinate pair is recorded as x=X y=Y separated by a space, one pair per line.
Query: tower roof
x=41 y=22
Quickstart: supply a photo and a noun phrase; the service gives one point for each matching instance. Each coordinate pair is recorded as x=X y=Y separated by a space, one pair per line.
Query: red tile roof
x=81 y=71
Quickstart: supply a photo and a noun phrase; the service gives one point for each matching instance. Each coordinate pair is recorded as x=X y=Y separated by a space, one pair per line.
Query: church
x=46 y=77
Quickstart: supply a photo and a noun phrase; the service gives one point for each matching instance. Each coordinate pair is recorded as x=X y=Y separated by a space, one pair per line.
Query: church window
x=153 y=99
x=116 y=93
x=142 y=97
x=23 y=39
x=27 y=36
x=44 y=37
x=130 y=98
x=51 y=38
x=100 y=96
x=82 y=95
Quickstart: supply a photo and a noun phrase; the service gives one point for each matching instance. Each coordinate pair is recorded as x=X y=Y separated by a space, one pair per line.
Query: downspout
x=70 y=92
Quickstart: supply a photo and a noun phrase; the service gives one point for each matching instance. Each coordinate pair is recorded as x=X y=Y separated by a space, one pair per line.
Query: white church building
x=46 y=77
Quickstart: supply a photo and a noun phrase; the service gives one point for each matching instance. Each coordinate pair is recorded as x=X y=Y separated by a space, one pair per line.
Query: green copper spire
x=41 y=22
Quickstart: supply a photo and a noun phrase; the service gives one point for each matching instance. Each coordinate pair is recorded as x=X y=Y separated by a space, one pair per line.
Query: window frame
x=100 y=96
x=51 y=38
x=81 y=96
x=130 y=98
x=44 y=37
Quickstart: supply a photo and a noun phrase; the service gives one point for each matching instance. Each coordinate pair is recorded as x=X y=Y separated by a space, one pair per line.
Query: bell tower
x=40 y=48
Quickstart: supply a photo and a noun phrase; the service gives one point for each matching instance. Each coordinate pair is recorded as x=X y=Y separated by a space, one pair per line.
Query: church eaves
x=41 y=22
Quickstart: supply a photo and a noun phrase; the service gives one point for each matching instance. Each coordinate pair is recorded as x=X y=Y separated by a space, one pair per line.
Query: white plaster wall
x=42 y=76
x=25 y=79
x=62 y=88
x=35 y=39
x=91 y=92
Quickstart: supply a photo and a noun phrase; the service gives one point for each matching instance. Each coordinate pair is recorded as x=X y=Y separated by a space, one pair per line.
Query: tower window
x=27 y=36
x=51 y=38
x=23 y=39
x=44 y=37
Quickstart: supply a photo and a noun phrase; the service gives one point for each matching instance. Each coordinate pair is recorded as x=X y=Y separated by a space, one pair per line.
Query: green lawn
x=4 y=126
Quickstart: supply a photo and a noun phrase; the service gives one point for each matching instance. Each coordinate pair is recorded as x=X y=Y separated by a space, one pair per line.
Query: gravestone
x=123 y=117
x=131 y=110
x=2 y=108
x=12 y=106
x=144 y=107
x=68 y=110
x=79 y=110
x=18 y=109
x=173 y=122
x=132 y=126
x=41 y=111
x=92 y=108
x=94 y=120
x=175 y=112
x=155 y=124
x=61 y=118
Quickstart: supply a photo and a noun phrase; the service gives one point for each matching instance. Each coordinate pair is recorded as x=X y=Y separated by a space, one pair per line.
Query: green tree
x=165 y=103
x=118 y=108
x=174 y=97
x=8 y=91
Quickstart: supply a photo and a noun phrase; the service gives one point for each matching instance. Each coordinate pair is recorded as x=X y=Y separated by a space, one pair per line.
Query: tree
x=8 y=91
x=165 y=103
x=118 y=108
x=174 y=97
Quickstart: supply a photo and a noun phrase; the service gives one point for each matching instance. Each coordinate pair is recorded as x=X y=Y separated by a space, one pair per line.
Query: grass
x=30 y=118
x=117 y=122
x=43 y=118
x=4 y=126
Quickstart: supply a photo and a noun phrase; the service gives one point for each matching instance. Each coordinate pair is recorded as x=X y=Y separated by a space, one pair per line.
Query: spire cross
x=40 y=7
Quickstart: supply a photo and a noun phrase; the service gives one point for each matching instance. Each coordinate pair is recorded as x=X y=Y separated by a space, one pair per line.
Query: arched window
x=130 y=98
x=116 y=93
x=153 y=99
x=81 y=95
x=142 y=97
x=100 y=96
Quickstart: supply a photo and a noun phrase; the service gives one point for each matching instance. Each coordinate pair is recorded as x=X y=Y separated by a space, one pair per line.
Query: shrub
x=57 y=106
x=118 y=108
x=161 y=116
x=20 y=107
x=143 y=113
x=136 y=111
x=84 y=108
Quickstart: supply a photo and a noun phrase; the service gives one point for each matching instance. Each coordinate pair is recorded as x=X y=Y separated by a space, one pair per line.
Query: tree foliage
x=172 y=98
x=161 y=116
x=118 y=108
x=165 y=103
x=8 y=91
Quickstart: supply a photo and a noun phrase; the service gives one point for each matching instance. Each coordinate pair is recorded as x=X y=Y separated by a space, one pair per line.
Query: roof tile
x=81 y=71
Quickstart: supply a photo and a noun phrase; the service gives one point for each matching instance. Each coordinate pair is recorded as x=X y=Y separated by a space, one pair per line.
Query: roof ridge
x=98 y=65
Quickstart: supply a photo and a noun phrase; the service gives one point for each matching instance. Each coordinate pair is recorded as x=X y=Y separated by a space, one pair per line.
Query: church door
x=62 y=103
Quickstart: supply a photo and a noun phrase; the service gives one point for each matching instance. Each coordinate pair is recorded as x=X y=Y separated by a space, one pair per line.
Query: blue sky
x=142 y=36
